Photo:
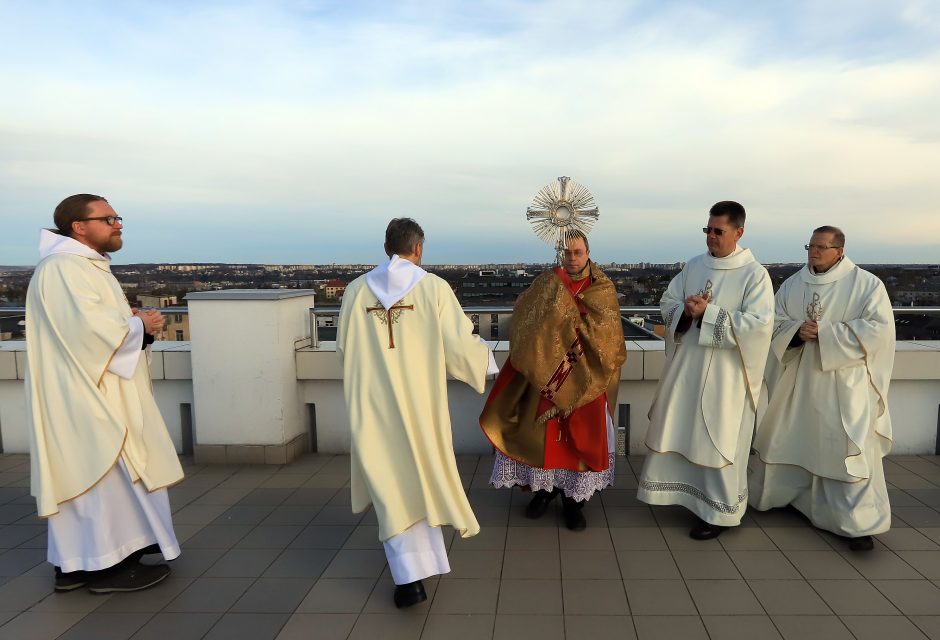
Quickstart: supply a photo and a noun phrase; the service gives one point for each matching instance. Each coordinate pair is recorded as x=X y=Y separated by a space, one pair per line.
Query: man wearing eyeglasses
x=100 y=453
x=719 y=315
x=821 y=443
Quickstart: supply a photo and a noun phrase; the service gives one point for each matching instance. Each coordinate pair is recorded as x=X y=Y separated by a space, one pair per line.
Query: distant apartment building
x=334 y=289
x=177 y=321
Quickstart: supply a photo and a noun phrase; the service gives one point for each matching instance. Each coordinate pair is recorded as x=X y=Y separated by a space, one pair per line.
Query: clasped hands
x=695 y=305
x=153 y=320
x=809 y=330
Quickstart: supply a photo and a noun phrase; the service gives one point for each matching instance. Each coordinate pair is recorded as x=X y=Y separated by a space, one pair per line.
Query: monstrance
x=560 y=208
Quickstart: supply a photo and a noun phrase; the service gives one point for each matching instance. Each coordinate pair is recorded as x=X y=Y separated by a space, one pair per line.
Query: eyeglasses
x=110 y=220
x=818 y=247
x=715 y=230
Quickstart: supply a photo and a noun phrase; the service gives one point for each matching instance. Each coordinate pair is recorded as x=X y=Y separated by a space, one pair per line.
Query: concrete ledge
x=251 y=453
x=250 y=294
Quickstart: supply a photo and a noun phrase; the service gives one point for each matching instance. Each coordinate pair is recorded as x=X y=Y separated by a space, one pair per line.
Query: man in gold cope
x=549 y=413
x=401 y=332
x=100 y=453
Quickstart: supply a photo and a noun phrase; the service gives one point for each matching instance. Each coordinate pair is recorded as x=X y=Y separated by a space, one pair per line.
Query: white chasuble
x=401 y=333
x=827 y=425
x=89 y=394
x=702 y=416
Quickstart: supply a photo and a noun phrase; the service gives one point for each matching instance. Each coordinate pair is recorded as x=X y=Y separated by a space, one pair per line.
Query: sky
x=292 y=131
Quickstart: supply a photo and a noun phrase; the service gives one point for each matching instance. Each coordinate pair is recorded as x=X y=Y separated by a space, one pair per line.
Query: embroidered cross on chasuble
x=389 y=316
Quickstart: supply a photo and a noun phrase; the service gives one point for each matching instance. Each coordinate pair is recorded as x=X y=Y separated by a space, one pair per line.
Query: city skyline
x=290 y=132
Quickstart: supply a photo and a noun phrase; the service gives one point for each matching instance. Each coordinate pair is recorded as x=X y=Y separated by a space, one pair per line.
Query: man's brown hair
x=402 y=237
x=72 y=209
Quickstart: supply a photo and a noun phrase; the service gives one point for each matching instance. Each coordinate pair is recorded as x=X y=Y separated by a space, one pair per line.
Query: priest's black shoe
x=409 y=594
x=539 y=503
x=571 y=510
x=71 y=580
x=706 y=531
x=130 y=577
x=864 y=543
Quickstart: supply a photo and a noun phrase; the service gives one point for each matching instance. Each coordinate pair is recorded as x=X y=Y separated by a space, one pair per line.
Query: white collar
x=51 y=242
x=393 y=280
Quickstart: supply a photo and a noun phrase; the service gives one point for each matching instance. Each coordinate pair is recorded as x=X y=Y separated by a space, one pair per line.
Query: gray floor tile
x=244 y=515
x=10 y=513
x=594 y=597
x=458 y=627
x=907 y=539
x=274 y=595
x=524 y=597
x=149 y=600
x=788 y=597
x=224 y=498
x=192 y=563
x=659 y=597
x=678 y=539
x=266 y=497
x=38 y=626
x=488 y=538
x=746 y=539
x=927 y=563
x=337 y=515
x=881 y=627
x=322 y=537
x=705 y=565
x=107 y=626
x=587 y=540
x=248 y=626
x=674 y=516
x=328 y=626
x=300 y=563
x=797 y=539
x=930 y=625
x=534 y=564
x=200 y=514
x=543 y=627
x=811 y=628
x=337 y=596
x=14 y=562
x=209 y=595
x=291 y=515
x=532 y=538
x=823 y=565
x=647 y=565
x=218 y=536
x=242 y=563
x=594 y=565
x=78 y=601
x=918 y=516
x=757 y=627
x=388 y=626
x=475 y=563
x=724 y=597
x=310 y=497
x=466 y=596
x=764 y=565
x=779 y=518
x=351 y=563
x=363 y=537
x=881 y=565
x=270 y=537
x=581 y=627
x=669 y=628
x=630 y=517
x=178 y=626
x=14 y=535
x=853 y=597
x=22 y=592
x=638 y=539
x=912 y=597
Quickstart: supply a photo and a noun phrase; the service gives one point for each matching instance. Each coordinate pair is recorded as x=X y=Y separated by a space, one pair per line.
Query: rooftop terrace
x=273 y=551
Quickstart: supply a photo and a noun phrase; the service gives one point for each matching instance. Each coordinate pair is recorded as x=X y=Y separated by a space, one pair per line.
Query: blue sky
x=292 y=131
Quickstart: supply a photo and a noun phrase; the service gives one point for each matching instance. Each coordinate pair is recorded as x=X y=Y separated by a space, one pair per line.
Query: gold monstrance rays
x=560 y=208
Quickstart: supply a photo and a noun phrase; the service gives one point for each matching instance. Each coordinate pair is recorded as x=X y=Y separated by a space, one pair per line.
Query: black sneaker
x=70 y=581
x=706 y=531
x=133 y=577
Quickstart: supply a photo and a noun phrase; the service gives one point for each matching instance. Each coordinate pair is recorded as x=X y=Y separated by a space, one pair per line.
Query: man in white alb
x=100 y=453
x=821 y=443
x=401 y=333
x=719 y=316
